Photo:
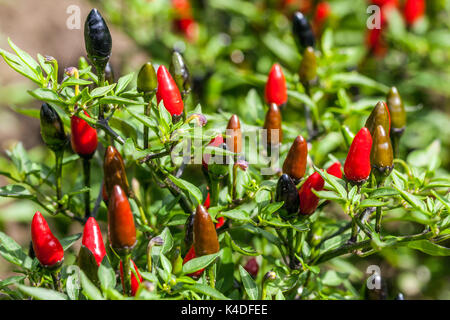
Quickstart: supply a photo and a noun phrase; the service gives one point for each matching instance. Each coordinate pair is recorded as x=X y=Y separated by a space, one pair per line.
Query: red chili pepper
x=323 y=11
x=220 y=222
x=215 y=142
x=275 y=91
x=413 y=10
x=184 y=21
x=295 y=163
x=121 y=228
x=357 y=164
x=84 y=137
x=308 y=200
x=189 y=256
x=47 y=248
x=168 y=92
x=135 y=282
x=93 y=240
x=375 y=42
x=252 y=267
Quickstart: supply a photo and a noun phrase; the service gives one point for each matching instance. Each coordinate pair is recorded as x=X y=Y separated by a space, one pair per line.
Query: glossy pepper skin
x=180 y=72
x=52 y=128
x=97 y=39
x=83 y=138
x=295 y=163
x=205 y=235
x=135 y=282
x=302 y=32
x=114 y=171
x=121 y=228
x=287 y=191
x=413 y=10
x=308 y=66
x=396 y=110
x=381 y=155
x=146 y=79
x=189 y=256
x=335 y=170
x=357 y=163
x=252 y=267
x=272 y=124
x=275 y=90
x=234 y=134
x=379 y=116
x=47 y=248
x=168 y=92
x=93 y=240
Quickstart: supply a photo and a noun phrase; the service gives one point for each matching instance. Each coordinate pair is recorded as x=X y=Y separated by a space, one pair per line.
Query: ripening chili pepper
x=357 y=163
x=308 y=66
x=168 y=92
x=135 y=282
x=272 y=124
x=207 y=202
x=234 y=135
x=121 y=228
x=287 y=191
x=215 y=142
x=348 y=135
x=335 y=170
x=397 y=111
x=114 y=171
x=323 y=11
x=47 y=248
x=252 y=267
x=381 y=155
x=220 y=222
x=189 y=230
x=375 y=42
x=379 y=116
x=184 y=21
x=205 y=235
x=97 y=39
x=275 y=90
x=295 y=163
x=83 y=138
x=180 y=73
x=189 y=256
x=302 y=32
x=413 y=10
x=93 y=240
x=146 y=79
x=52 y=128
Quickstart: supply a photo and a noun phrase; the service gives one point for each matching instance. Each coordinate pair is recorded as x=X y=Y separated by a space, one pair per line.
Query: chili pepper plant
x=275 y=195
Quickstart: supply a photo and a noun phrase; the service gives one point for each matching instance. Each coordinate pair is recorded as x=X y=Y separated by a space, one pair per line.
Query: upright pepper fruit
x=189 y=256
x=302 y=32
x=97 y=39
x=114 y=171
x=205 y=235
x=83 y=138
x=413 y=11
x=121 y=228
x=184 y=21
x=168 y=92
x=275 y=90
x=272 y=124
x=335 y=170
x=234 y=135
x=206 y=204
x=52 y=128
x=295 y=163
x=47 y=248
x=357 y=163
x=215 y=142
x=396 y=110
x=308 y=66
x=287 y=191
x=323 y=11
x=252 y=267
x=146 y=79
x=381 y=155
x=135 y=282
x=180 y=73
x=379 y=116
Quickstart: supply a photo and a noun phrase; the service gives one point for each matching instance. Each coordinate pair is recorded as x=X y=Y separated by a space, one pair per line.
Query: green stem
x=378 y=220
x=233 y=192
x=214 y=191
x=141 y=209
x=101 y=83
x=395 y=138
x=56 y=277
x=147 y=113
x=212 y=280
x=87 y=183
x=58 y=172
x=126 y=274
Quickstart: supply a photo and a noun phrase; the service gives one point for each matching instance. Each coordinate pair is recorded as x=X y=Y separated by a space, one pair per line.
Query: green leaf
x=89 y=289
x=384 y=192
x=412 y=200
x=237 y=248
x=207 y=290
x=199 y=263
x=47 y=95
x=15 y=191
x=429 y=247
x=329 y=195
x=123 y=82
x=67 y=242
x=354 y=78
x=13 y=252
x=106 y=275
x=19 y=66
x=120 y=100
x=168 y=240
x=73 y=285
x=236 y=214
x=8 y=281
x=101 y=91
x=271 y=208
x=42 y=293
x=371 y=203
x=189 y=187
x=249 y=284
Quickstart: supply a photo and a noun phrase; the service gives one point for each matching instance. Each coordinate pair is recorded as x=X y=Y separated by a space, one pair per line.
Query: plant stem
x=58 y=172
x=87 y=183
x=378 y=220
x=147 y=113
x=396 y=144
x=56 y=277
x=233 y=192
x=101 y=83
x=141 y=209
x=214 y=192
x=212 y=280
x=126 y=274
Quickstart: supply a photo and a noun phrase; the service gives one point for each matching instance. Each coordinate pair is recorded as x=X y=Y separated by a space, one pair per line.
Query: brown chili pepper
x=205 y=235
x=114 y=171
x=295 y=163
x=234 y=135
x=273 y=125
